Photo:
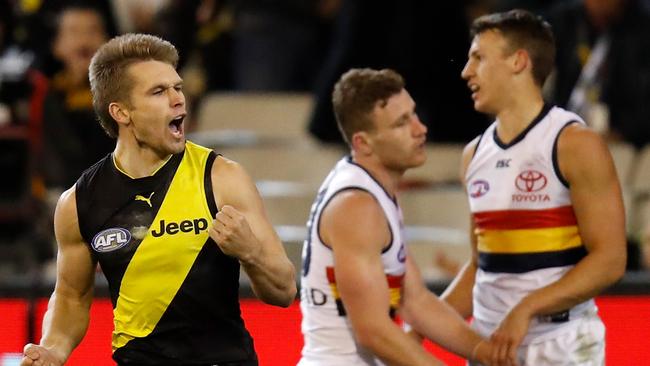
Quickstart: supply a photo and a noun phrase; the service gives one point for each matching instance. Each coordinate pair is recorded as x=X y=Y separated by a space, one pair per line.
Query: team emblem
x=110 y=239
x=478 y=188
x=530 y=181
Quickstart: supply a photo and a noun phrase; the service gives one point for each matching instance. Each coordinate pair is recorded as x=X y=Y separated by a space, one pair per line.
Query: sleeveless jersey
x=525 y=224
x=174 y=293
x=329 y=339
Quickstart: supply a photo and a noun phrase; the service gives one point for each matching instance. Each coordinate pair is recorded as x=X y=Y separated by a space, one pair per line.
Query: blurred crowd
x=49 y=133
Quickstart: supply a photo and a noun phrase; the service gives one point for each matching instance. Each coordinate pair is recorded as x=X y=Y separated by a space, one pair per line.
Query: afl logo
x=111 y=239
x=479 y=188
x=530 y=181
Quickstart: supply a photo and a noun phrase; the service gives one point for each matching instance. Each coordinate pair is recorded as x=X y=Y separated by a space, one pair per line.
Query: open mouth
x=176 y=125
x=474 y=89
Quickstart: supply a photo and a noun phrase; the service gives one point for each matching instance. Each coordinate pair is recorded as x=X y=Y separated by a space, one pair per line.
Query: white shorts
x=580 y=342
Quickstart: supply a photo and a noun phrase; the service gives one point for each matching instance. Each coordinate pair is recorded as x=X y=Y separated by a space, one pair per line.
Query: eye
x=178 y=88
x=158 y=91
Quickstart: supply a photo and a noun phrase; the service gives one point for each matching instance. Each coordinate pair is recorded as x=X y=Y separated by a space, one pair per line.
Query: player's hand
x=35 y=355
x=508 y=336
x=232 y=233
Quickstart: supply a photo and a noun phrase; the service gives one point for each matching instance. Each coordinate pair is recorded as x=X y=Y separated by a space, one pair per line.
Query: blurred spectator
x=278 y=44
x=430 y=54
x=603 y=65
x=202 y=32
x=35 y=21
x=73 y=139
x=21 y=94
x=138 y=16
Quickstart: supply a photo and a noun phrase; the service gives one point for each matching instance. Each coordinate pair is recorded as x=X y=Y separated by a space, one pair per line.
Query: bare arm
x=596 y=195
x=354 y=225
x=242 y=230
x=66 y=320
x=459 y=292
x=437 y=320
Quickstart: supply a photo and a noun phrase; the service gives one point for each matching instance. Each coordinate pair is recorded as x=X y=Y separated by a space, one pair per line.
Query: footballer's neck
x=138 y=162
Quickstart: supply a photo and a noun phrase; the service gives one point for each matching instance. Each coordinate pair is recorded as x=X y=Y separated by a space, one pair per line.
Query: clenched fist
x=232 y=233
x=35 y=355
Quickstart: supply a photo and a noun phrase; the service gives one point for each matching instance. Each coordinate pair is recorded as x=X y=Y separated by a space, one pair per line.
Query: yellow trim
x=528 y=240
x=395 y=297
x=118 y=167
x=335 y=291
x=160 y=264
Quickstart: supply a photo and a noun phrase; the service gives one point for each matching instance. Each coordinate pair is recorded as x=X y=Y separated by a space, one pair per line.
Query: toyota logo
x=530 y=181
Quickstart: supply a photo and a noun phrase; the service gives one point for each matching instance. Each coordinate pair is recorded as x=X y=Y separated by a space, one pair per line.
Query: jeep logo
x=185 y=226
x=111 y=239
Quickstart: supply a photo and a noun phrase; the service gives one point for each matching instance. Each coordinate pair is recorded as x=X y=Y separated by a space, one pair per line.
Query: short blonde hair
x=109 y=79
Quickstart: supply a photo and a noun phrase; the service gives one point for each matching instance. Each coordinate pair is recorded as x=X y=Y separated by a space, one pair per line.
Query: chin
x=484 y=108
x=177 y=147
x=479 y=107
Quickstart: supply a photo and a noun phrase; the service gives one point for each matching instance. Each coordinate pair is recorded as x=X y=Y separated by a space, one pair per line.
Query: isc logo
x=111 y=239
x=185 y=226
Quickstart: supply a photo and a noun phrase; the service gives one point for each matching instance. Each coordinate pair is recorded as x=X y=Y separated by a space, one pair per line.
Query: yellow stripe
x=118 y=167
x=528 y=240
x=161 y=264
x=395 y=296
x=335 y=291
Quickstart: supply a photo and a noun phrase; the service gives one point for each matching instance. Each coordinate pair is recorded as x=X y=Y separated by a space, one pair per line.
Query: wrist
x=57 y=353
x=477 y=352
x=251 y=258
x=526 y=308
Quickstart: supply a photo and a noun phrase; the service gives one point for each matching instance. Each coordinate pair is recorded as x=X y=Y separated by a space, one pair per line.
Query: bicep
x=356 y=229
x=237 y=189
x=595 y=191
x=75 y=265
x=362 y=284
x=468 y=154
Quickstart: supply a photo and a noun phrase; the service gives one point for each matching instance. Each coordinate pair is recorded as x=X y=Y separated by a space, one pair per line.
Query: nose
x=419 y=128
x=176 y=97
x=466 y=73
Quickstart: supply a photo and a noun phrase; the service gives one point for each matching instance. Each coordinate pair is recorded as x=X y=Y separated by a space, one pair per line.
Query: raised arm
x=66 y=320
x=355 y=227
x=587 y=165
x=459 y=293
x=242 y=230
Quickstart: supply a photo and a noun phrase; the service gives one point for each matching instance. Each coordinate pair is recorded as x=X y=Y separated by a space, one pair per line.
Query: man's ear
x=520 y=60
x=120 y=113
x=361 y=143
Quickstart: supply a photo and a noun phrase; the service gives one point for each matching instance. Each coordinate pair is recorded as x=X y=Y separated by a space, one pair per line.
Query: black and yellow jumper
x=174 y=293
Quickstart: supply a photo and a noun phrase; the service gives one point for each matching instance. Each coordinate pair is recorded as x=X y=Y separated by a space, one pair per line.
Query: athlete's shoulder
x=94 y=173
x=564 y=116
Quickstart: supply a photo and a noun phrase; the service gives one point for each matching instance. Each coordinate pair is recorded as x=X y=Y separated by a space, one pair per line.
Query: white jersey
x=525 y=224
x=328 y=335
